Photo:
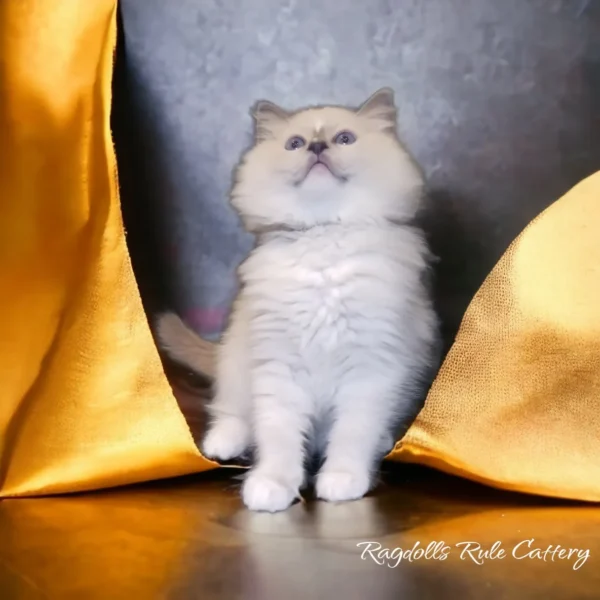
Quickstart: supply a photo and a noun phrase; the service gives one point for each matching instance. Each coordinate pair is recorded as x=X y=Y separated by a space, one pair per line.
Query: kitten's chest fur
x=333 y=299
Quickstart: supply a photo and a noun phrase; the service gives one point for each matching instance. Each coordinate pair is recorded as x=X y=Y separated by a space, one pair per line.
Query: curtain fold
x=516 y=404
x=84 y=402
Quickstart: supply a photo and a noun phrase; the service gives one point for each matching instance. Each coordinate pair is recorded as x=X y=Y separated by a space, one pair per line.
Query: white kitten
x=333 y=324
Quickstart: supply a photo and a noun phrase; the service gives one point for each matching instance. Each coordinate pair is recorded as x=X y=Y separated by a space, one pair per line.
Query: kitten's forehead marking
x=319 y=127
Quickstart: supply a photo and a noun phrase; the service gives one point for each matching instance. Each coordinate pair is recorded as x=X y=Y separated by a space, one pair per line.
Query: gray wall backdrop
x=498 y=100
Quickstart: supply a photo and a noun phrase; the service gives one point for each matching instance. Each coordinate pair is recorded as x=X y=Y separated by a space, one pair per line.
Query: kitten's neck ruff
x=273 y=230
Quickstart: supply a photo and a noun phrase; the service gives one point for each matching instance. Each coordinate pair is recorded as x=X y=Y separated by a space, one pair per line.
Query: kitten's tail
x=185 y=346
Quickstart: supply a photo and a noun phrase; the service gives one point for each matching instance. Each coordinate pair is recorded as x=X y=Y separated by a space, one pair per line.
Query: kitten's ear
x=381 y=106
x=266 y=116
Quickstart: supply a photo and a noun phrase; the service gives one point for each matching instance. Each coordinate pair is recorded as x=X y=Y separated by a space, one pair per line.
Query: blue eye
x=344 y=138
x=295 y=142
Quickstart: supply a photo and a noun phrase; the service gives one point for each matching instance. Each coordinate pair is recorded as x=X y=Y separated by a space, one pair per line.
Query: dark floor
x=192 y=538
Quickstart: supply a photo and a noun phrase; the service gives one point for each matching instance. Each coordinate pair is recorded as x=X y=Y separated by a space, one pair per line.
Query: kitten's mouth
x=321 y=166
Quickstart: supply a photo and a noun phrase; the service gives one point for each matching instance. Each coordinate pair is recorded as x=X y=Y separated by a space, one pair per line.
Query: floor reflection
x=192 y=538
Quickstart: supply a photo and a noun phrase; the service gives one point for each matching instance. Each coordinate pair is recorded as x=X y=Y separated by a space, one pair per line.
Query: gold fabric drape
x=83 y=399
x=517 y=402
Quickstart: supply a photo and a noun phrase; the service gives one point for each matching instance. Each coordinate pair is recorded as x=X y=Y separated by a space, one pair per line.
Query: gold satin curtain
x=84 y=403
x=83 y=399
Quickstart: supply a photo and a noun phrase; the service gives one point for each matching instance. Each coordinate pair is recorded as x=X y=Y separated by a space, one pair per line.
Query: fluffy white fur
x=333 y=323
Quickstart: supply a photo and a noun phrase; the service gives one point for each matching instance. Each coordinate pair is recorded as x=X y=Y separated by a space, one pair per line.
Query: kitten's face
x=326 y=165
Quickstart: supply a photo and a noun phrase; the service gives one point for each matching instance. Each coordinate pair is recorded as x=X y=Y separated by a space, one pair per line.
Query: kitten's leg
x=364 y=412
x=281 y=422
x=229 y=433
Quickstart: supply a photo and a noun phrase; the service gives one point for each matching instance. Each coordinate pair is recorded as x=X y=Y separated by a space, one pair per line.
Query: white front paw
x=227 y=438
x=341 y=485
x=264 y=492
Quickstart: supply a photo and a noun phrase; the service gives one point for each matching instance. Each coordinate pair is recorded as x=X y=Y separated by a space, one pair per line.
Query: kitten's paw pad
x=339 y=486
x=226 y=439
x=265 y=493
